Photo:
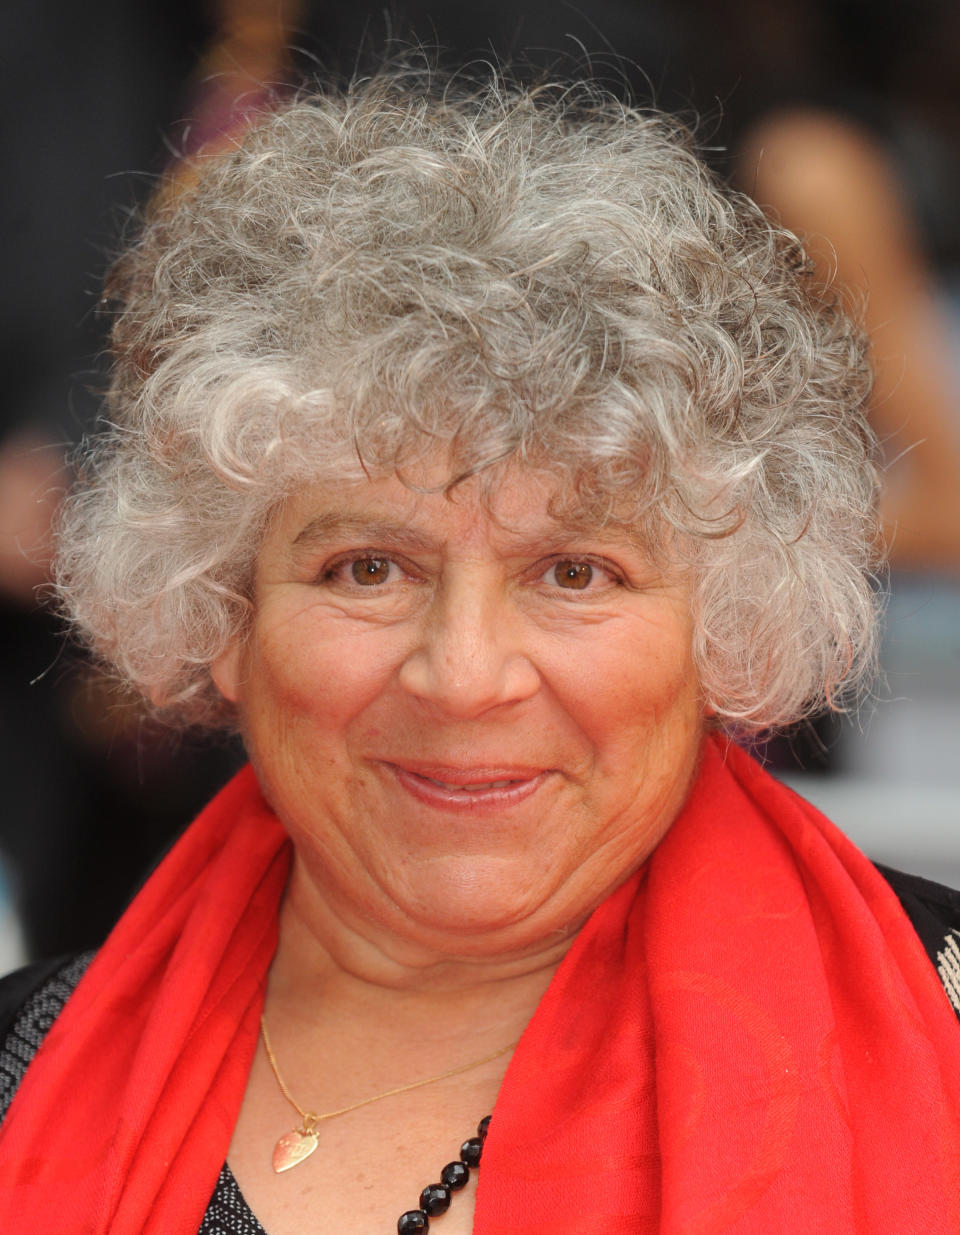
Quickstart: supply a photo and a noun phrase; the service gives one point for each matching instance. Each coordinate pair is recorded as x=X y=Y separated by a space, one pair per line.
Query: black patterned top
x=31 y=1000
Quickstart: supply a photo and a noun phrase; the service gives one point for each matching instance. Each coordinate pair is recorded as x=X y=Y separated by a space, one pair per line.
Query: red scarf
x=747 y=1038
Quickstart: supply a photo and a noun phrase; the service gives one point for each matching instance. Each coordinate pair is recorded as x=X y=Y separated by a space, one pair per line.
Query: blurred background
x=842 y=118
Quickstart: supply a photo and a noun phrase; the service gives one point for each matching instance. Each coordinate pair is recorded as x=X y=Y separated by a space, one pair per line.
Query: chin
x=483 y=903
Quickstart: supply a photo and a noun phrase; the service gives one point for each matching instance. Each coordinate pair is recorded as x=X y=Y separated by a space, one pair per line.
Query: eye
x=581 y=574
x=369 y=571
x=574 y=575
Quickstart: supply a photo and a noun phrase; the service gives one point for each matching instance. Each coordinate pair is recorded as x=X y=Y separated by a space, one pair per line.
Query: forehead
x=515 y=502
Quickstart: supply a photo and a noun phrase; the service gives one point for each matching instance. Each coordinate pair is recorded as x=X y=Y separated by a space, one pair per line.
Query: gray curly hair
x=543 y=275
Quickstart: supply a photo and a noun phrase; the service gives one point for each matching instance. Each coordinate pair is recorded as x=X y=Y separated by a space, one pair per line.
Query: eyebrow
x=325 y=527
x=372 y=532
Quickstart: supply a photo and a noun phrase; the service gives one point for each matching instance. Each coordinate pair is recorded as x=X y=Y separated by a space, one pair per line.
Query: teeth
x=490 y=784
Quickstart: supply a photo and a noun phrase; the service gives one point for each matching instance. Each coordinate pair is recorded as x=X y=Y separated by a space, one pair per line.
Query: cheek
x=307 y=675
x=630 y=686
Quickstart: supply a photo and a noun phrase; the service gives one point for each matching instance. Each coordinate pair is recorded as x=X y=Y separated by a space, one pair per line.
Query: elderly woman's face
x=474 y=721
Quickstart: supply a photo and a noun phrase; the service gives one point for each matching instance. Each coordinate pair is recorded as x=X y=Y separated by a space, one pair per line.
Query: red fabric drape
x=122 y=1122
x=747 y=1037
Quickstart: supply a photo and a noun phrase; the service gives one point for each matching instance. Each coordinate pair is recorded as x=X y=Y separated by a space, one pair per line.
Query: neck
x=327 y=960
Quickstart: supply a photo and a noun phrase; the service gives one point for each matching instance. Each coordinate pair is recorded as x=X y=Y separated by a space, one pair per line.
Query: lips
x=479 y=788
x=475 y=788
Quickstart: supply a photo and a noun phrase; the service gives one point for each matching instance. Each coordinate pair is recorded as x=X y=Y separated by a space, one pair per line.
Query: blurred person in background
x=87 y=93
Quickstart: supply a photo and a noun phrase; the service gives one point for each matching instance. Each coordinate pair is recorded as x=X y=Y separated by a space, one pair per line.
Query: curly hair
x=544 y=275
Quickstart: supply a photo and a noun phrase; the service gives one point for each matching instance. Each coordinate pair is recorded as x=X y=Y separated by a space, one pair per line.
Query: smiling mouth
x=480 y=787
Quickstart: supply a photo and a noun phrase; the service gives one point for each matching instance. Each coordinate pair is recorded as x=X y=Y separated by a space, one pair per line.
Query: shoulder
x=31 y=999
x=934 y=912
x=17 y=987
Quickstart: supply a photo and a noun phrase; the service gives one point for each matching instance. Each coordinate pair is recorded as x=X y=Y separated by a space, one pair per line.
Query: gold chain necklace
x=295 y=1146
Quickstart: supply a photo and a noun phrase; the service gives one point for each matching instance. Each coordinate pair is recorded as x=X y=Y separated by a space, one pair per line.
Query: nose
x=470 y=654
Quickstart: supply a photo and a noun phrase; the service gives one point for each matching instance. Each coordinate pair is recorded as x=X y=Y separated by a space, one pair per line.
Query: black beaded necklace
x=435 y=1198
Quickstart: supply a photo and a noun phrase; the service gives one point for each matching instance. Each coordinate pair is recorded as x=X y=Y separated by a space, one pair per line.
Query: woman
x=481 y=458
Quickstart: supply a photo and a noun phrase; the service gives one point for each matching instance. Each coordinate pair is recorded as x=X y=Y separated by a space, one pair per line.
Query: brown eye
x=577 y=575
x=370 y=571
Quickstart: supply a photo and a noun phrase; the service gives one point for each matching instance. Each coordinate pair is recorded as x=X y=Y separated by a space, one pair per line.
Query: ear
x=226 y=671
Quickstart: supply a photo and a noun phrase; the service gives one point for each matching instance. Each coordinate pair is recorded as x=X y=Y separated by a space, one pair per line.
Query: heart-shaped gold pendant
x=292 y=1148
